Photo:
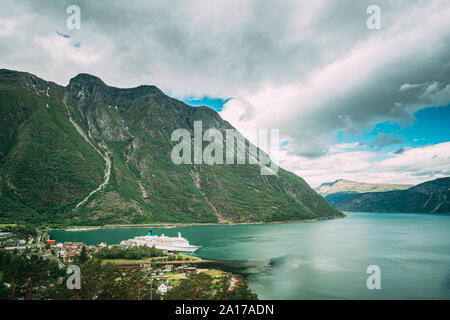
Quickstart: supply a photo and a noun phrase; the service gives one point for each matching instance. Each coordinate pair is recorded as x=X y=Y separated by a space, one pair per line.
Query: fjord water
x=325 y=259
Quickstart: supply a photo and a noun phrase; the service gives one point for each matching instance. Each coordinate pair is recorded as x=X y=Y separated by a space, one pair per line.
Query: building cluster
x=68 y=251
x=9 y=241
x=184 y=269
x=5 y=234
x=13 y=244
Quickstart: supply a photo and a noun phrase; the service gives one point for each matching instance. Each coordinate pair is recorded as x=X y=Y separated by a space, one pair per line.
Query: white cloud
x=342 y=147
x=7 y=27
x=356 y=90
x=408 y=86
x=309 y=68
x=413 y=166
x=60 y=48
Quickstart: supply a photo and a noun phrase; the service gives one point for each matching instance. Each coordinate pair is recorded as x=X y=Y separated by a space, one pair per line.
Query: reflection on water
x=322 y=260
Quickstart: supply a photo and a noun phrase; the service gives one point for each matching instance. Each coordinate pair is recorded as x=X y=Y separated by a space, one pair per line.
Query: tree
x=197 y=287
x=27 y=278
x=83 y=254
x=200 y=286
x=105 y=282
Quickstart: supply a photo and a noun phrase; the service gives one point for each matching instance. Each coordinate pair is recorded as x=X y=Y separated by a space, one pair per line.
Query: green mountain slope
x=93 y=154
x=429 y=197
x=43 y=167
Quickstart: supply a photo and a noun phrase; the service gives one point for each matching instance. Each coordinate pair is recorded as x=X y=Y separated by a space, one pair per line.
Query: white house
x=162 y=288
x=167 y=268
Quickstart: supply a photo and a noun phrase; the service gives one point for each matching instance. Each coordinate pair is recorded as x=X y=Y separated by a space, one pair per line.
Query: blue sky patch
x=213 y=103
x=431 y=126
x=62 y=34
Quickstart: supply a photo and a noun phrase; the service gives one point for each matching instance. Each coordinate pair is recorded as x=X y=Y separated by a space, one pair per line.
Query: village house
x=70 y=254
x=185 y=269
x=162 y=288
x=167 y=268
x=102 y=245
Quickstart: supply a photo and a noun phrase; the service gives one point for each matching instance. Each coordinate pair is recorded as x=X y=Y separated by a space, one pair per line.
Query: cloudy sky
x=350 y=102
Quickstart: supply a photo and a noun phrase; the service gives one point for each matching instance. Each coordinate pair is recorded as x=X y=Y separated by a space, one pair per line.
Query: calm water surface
x=322 y=260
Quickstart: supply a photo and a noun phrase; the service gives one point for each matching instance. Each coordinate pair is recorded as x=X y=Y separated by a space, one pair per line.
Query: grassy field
x=213 y=273
x=188 y=259
x=125 y=261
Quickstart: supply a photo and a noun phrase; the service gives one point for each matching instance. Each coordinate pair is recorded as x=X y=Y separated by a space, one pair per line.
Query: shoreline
x=165 y=225
x=129 y=262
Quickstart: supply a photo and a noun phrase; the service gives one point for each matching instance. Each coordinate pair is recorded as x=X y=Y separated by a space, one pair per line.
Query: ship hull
x=173 y=248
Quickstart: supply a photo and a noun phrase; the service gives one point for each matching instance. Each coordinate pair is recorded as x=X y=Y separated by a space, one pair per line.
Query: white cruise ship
x=162 y=242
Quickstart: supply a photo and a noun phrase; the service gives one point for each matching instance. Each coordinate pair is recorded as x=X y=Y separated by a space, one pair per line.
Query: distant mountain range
x=343 y=185
x=91 y=154
x=428 y=197
x=338 y=190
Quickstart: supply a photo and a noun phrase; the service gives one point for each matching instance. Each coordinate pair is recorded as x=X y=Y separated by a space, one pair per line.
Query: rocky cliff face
x=429 y=197
x=89 y=153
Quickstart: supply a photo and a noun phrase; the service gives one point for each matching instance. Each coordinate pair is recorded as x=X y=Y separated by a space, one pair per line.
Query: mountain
x=91 y=154
x=336 y=191
x=343 y=185
x=429 y=197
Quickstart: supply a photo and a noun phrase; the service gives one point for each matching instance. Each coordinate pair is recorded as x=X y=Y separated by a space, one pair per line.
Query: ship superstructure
x=162 y=242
